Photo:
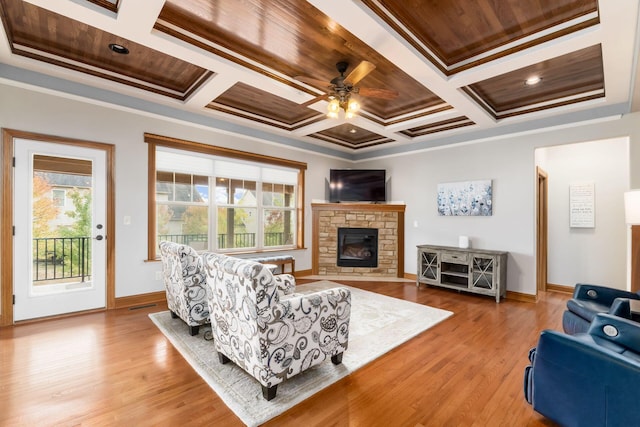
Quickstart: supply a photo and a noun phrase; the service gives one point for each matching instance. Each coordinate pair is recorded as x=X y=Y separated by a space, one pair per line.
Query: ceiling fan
x=340 y=88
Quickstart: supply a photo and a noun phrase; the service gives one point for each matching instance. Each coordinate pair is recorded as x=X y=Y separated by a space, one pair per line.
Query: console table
x=471 y=270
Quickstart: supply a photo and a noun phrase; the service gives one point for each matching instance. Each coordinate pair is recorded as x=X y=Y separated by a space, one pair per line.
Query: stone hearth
x=387 y=218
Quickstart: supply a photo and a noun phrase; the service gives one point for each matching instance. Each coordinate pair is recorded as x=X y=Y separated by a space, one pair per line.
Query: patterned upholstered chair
x=267 y=330
x=185 y=284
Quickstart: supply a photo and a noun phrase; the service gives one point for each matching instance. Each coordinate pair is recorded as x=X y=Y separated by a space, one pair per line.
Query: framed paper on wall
x=582 y=205
x=468 y=198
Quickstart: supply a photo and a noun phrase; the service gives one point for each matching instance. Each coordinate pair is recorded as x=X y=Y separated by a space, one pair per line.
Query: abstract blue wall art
x=468 y=198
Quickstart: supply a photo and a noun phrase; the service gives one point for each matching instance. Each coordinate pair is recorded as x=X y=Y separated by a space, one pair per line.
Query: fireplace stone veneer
x=388 y=219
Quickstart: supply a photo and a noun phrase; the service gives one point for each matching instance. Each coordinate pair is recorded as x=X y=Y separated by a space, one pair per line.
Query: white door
x=60 y=229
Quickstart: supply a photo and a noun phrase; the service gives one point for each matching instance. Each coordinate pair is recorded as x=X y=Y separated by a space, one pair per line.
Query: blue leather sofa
x=588 y=379
x=589 y=300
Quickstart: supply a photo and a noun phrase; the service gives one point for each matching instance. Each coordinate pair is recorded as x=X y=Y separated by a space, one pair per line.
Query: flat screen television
x=357 y=185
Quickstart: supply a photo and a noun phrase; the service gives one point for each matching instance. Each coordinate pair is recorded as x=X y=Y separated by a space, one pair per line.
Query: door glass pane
x=62 y=224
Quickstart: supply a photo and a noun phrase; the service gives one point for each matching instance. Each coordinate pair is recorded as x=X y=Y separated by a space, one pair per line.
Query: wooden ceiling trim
x=250 y=100
x=349 y=144
x=40 y=34
x=524 y=43
x=108 y=75
x=110 y=5
x=554 y=30
x=576 y=74
x=478 y=100
x=554 y=104
x=407 y=117
x=354 y=136
x=264 y=120
x=592 y=94
x=403 y=32
x=570 y=100
x=444 y=125
x=193 y=39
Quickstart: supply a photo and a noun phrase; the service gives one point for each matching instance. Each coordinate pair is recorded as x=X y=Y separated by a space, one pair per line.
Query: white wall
x=51 y=115
x=509 y=162
x=577 y=255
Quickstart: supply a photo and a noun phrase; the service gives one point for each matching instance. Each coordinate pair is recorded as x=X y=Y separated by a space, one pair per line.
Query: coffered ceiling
x=458 y=67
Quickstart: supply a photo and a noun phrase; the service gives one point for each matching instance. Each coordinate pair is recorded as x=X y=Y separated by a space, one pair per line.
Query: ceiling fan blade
x=312 y=81
x=359 y=73
x=378 y=93
x=314 y=100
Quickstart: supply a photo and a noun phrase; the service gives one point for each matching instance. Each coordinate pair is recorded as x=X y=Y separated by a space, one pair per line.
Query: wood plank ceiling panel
x=458 y=34
x=39 y=34
x=244 y=100
x=570 y=78
x=348 y=135
x=290 y=38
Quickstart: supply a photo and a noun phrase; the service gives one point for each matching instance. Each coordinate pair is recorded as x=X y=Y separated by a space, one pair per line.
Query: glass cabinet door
x=483 y=273
x=429 y=265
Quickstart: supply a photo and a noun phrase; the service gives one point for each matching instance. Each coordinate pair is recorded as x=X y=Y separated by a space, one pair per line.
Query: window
x=59 y=197
x=214 y=198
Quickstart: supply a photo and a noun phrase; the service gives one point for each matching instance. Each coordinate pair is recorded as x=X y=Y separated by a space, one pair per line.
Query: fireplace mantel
x=387 y=218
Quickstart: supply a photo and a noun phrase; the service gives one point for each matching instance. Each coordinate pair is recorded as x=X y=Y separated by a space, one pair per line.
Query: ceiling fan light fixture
x=353 y=106
x=333 y=108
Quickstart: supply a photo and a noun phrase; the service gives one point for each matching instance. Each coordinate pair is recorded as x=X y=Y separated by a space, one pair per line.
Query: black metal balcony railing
x=240 y=240
x=183 y=239
x=57 y=258
x=277 y=239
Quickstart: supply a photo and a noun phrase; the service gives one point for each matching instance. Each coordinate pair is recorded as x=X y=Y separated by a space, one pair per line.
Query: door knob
x=99 y=237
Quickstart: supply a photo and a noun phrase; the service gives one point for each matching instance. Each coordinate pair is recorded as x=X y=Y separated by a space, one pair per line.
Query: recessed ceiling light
x=118 y=48
x=352 y=130
x=533 y=80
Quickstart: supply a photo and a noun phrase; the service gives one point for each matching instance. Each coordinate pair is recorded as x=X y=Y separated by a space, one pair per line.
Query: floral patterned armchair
x=267 y=330
x=185 y=284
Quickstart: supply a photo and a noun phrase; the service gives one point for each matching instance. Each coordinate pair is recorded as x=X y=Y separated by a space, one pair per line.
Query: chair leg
x=173 y=315
x=337 y=359
x=269 y=392
x=223 y=359
x=193 y=330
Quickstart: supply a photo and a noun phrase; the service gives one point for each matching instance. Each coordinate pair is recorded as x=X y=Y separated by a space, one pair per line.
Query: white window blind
x=279 y=176
x=170 y=161
x=237 y=170
x=173 y=161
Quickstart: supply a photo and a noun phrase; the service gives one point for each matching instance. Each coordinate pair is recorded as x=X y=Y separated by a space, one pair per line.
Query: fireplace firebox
x=357 y=247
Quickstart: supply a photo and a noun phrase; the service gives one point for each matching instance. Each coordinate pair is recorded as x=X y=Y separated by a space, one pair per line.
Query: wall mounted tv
x=357 y=185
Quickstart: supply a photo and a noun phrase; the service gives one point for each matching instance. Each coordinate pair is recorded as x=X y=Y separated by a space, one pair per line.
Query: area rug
x=378 y=324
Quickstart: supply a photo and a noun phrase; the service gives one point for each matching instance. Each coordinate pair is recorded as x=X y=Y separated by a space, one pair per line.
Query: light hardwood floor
x=116 y=368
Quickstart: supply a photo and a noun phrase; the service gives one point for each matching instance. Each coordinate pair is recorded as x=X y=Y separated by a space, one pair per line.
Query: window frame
x=63 y=198
x=154 y=141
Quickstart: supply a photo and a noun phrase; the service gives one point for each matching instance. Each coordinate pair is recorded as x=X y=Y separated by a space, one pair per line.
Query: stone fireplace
x=359 y=222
